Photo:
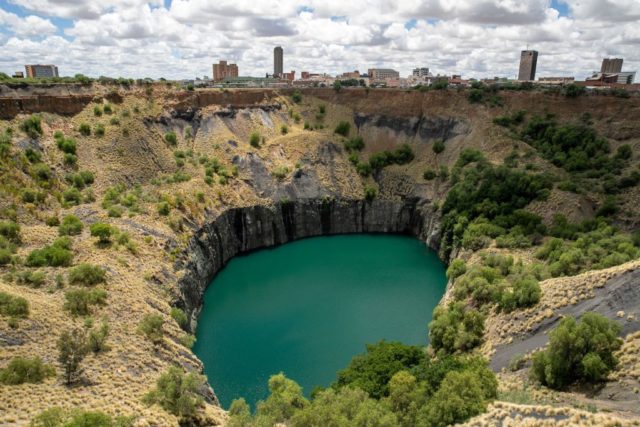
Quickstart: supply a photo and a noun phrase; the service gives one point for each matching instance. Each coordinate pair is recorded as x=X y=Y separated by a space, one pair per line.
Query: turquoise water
x=307 y=307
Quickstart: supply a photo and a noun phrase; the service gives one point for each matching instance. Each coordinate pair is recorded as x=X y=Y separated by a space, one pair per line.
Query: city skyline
x=182 y=38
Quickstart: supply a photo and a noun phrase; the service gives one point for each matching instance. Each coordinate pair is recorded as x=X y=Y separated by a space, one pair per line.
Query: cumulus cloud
x=30 y=25
x=475 y=38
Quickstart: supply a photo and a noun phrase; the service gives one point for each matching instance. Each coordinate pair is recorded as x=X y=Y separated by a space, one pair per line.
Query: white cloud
x=30 y=25
x=477 y=38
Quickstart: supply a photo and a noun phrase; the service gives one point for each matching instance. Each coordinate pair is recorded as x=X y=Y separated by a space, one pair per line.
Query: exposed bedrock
x=244 y=229
x=423 y=127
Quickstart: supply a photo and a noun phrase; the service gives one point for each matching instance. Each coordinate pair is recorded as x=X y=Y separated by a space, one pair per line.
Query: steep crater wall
x=243 y=229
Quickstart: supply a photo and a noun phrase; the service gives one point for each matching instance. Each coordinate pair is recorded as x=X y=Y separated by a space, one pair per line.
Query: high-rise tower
x=611 y=65
x=277 y=61
x=528 y=63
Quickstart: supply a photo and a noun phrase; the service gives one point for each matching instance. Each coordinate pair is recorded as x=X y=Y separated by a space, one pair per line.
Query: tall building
x=278 y=68
x=528 y=63
x=222 y=70
x=382 y=73
x=38 y=70
x=420 y=72
x=611 y=65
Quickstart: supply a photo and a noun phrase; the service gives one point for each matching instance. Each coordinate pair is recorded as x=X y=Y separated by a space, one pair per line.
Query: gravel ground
x=621 y=293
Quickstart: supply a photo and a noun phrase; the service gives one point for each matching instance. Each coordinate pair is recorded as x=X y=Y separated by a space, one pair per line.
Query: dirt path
x=621 y=293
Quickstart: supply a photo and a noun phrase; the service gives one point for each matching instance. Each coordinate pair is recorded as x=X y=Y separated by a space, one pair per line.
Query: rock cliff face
x=240 y=230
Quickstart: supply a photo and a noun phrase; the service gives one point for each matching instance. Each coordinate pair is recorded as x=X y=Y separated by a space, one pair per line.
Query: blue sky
x=182 y=38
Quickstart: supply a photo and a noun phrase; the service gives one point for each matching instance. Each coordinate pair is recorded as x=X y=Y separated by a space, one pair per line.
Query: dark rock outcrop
x=245 y=229
x=424 y=128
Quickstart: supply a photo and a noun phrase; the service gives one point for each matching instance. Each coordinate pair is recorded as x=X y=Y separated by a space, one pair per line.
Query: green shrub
x=97 y=111
x=35 y=279
x=81 y=179
x=171 y=138
x=98 y=129
x=97 y=339
x=70 y=159
x=57 y=254
x=10 y=230
x=32 y=155
x=343 y=128
x=72 y=196
x=187 y=340
x=164 y=208
x=254 y=139
x=13 y=306
x=67 y=145
x=87 y=275
x=79 y=301
x=178 y=393
x=456 y=328
x=573 y=91
x=624 y=152
x=429 y=174
x=115 y=211
x=297 y=97
x=354 y=144
x=84 y=129
x=107 y=109
x=322 y=108
x=102 y=231
x=70 y=226
x=5 y=256
x=456 y=269
x=151 y=327
x=24 y=370
x=281 y=172
x=600 y=247
x=370 y=192
x=32 y=126
x=438 y=146
x=180 y=317
x=32 y=196
x=284 y=129
x=475 y=96
x=526 y=292
x=582 y=350
x=53 y=221
x=42 y=173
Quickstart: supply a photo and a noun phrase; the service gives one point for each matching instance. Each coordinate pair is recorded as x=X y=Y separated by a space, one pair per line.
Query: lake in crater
x=306 y=308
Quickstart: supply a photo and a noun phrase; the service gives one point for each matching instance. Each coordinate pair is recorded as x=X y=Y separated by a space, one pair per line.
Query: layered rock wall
x=241 y=230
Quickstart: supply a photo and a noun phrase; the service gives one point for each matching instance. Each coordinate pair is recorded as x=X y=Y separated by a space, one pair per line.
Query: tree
x=459 y=398
x=177 y=392
x=72 y=349
x=372 y=371
x=337 y=85
x=102 y=231
x=345 y=407
x=456 y=328
x=578 y=351
x=284 y=399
